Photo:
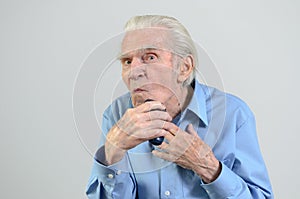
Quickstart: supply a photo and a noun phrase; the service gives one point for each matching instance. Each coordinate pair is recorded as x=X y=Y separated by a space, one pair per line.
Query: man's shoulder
x=119 y=105
x=232 y=102
x=238 y=105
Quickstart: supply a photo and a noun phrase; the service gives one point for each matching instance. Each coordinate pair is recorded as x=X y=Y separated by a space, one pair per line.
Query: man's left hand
x=189 y=151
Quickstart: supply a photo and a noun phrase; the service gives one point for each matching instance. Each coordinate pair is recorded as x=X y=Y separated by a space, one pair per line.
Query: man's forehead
x=141 y=50
x=145 y=38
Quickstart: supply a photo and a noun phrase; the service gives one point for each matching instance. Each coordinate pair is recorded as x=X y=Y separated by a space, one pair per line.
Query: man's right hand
x=137 y=125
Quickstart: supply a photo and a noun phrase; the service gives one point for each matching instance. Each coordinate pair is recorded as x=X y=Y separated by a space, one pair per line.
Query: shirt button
x=110 y=176
x=167 y=193
x=119 y=172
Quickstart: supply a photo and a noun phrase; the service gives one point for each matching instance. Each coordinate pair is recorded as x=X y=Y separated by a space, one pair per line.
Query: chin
x=137 y=99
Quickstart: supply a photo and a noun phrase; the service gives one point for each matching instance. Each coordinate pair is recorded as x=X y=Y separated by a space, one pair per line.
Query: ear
x=186 y=68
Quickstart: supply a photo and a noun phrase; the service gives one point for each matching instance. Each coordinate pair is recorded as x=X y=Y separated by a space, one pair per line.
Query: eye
x=150 y=57
x=126 y=62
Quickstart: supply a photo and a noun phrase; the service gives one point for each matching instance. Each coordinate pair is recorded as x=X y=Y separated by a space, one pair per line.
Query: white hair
x=182 y=43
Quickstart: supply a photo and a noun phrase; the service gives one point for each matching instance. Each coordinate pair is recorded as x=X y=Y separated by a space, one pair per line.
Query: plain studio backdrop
x=254 y=44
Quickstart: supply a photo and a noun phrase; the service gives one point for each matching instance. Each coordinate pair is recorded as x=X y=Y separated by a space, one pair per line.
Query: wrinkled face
x=148 y=67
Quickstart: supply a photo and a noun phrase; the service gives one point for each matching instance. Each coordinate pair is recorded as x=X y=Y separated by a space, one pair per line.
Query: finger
x=169 y=136
x=159 y=115
x=163 y=146
x=172 y=128
x=190 y=129
x=151 y=133
x=153 y=105
x=155 y=124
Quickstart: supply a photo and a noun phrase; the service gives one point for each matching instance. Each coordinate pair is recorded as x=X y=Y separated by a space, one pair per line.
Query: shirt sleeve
x=111 y=182
x=247 y=178
x=114 y=181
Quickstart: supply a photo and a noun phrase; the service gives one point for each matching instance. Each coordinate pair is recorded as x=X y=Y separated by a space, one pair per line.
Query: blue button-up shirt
x=222 y=120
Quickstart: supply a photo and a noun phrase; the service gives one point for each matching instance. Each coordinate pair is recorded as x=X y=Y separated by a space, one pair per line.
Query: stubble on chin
x=137 y=100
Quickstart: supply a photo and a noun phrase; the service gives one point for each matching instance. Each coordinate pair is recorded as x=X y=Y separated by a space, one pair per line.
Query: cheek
x=125 y=79
x=165 y=75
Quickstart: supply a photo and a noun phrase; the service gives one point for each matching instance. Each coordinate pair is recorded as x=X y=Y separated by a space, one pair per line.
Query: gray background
x=255 y=45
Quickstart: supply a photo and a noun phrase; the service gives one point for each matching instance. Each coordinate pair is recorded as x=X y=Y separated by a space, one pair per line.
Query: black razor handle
x=159 y=140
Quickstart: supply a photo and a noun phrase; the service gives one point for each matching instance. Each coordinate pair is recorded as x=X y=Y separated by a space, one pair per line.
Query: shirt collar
x=198 y=103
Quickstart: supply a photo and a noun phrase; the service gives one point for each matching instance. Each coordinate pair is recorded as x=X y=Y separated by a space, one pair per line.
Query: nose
x=137 y=69
x=135 y=62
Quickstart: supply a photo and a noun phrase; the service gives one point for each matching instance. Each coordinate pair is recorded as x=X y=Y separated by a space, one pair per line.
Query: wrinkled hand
x=188 y=151
x=136 y=126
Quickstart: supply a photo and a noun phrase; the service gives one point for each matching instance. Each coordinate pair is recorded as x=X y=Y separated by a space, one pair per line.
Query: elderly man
x=156 y=134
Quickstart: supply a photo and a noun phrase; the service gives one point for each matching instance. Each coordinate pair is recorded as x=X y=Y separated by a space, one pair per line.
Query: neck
x=177 y=102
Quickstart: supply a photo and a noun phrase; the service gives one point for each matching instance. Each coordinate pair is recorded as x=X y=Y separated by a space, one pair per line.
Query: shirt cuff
x=110 y=171
x=109 y=181
x=224 y=186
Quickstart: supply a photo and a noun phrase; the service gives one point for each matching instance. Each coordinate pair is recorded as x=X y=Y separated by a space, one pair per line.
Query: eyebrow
x=143 y=49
